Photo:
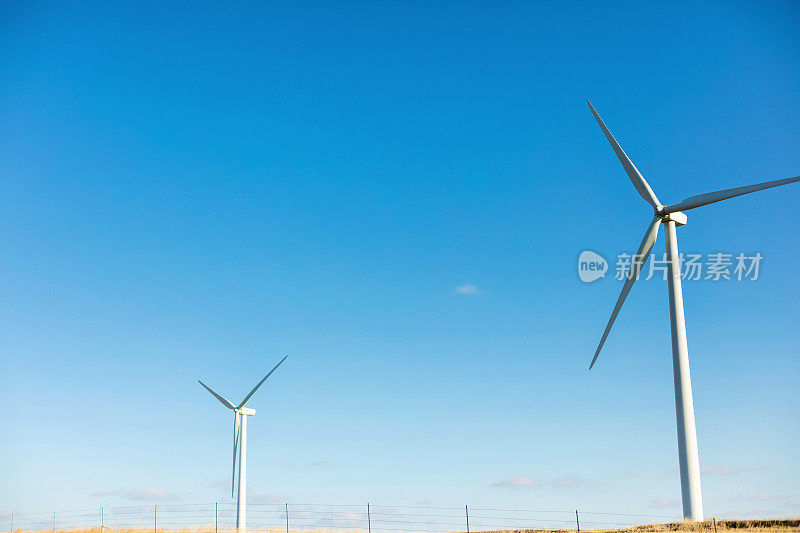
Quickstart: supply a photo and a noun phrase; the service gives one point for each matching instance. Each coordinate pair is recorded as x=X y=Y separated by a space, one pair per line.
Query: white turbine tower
x=240 y=414
x=671 y=216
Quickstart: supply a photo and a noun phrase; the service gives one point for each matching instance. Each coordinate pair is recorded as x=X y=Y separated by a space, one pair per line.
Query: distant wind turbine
x=671 y=216
x=240 y=414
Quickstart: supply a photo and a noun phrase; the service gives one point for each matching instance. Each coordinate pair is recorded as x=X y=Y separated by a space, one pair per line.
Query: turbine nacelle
x=246 y=411
x=677 y=217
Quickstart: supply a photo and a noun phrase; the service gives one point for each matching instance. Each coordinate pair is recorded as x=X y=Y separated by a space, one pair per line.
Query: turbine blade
x=718 y=196
x=633 y=173
x=636 y=265
x=225 y=402
x=259 y=384
x=235 y=444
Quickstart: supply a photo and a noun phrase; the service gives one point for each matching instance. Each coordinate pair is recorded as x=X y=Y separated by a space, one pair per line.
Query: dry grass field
x=722 y=526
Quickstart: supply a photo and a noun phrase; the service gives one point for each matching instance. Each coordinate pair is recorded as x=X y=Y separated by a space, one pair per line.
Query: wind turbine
x=240 y=414
x=671 y=216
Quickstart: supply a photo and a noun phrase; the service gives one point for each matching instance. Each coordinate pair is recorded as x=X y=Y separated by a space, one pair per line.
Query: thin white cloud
x=727 y=470
x=518 y=482
x=664 y=503
x=468 y=290
x=220 y=483
x=145 y=495
x=568 y=482
x=717 y=470
x=561 y=482
x=267 y=497
x=764 y=504
x=761 y=497
x=318 y=464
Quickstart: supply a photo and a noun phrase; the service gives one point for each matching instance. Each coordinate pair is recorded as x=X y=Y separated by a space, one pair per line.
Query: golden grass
x=729 y=526
x=722 y=526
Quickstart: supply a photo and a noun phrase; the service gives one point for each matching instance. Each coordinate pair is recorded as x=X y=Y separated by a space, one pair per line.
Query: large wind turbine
x=671 y=216
x=240 y=414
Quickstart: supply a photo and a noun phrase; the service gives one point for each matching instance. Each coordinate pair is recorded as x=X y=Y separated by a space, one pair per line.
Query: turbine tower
x=672 y=217
x=240 y=414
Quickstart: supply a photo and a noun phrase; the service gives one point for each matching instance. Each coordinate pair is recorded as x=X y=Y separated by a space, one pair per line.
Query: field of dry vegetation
x=721 y=526
x=729 y=526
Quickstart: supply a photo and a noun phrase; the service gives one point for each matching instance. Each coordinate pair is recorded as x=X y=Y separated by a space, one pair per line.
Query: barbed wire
x=162 y=518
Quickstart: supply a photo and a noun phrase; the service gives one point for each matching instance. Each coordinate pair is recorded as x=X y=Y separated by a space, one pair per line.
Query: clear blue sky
x=193 y=191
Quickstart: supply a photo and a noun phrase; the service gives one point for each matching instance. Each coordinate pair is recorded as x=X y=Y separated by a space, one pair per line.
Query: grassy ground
x=728 y=526
x=722 y=526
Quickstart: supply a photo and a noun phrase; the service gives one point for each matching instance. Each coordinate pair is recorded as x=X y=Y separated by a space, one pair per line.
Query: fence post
x=155 y=518
x=714 y=519
x=577 y=521
x=216 y=517
x=101 y=519
x=466 y=508
x=12 y=522
x=54 y=522
x=287 y=517
x=369 y=520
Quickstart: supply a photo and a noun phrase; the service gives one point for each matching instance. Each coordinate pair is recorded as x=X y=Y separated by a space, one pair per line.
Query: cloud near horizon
x=318 y=464
x=523 y=481
x=267 y=497
x=760 y=497
x=727 y=470
x=518 y=482
x=148 y=495
x=664 y=503
x=568 y=482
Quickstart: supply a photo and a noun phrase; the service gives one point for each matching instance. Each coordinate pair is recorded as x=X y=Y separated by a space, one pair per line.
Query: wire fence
x=295 y=517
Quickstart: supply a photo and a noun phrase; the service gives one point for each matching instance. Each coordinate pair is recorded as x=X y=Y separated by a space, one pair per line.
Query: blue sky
x=192 y=191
